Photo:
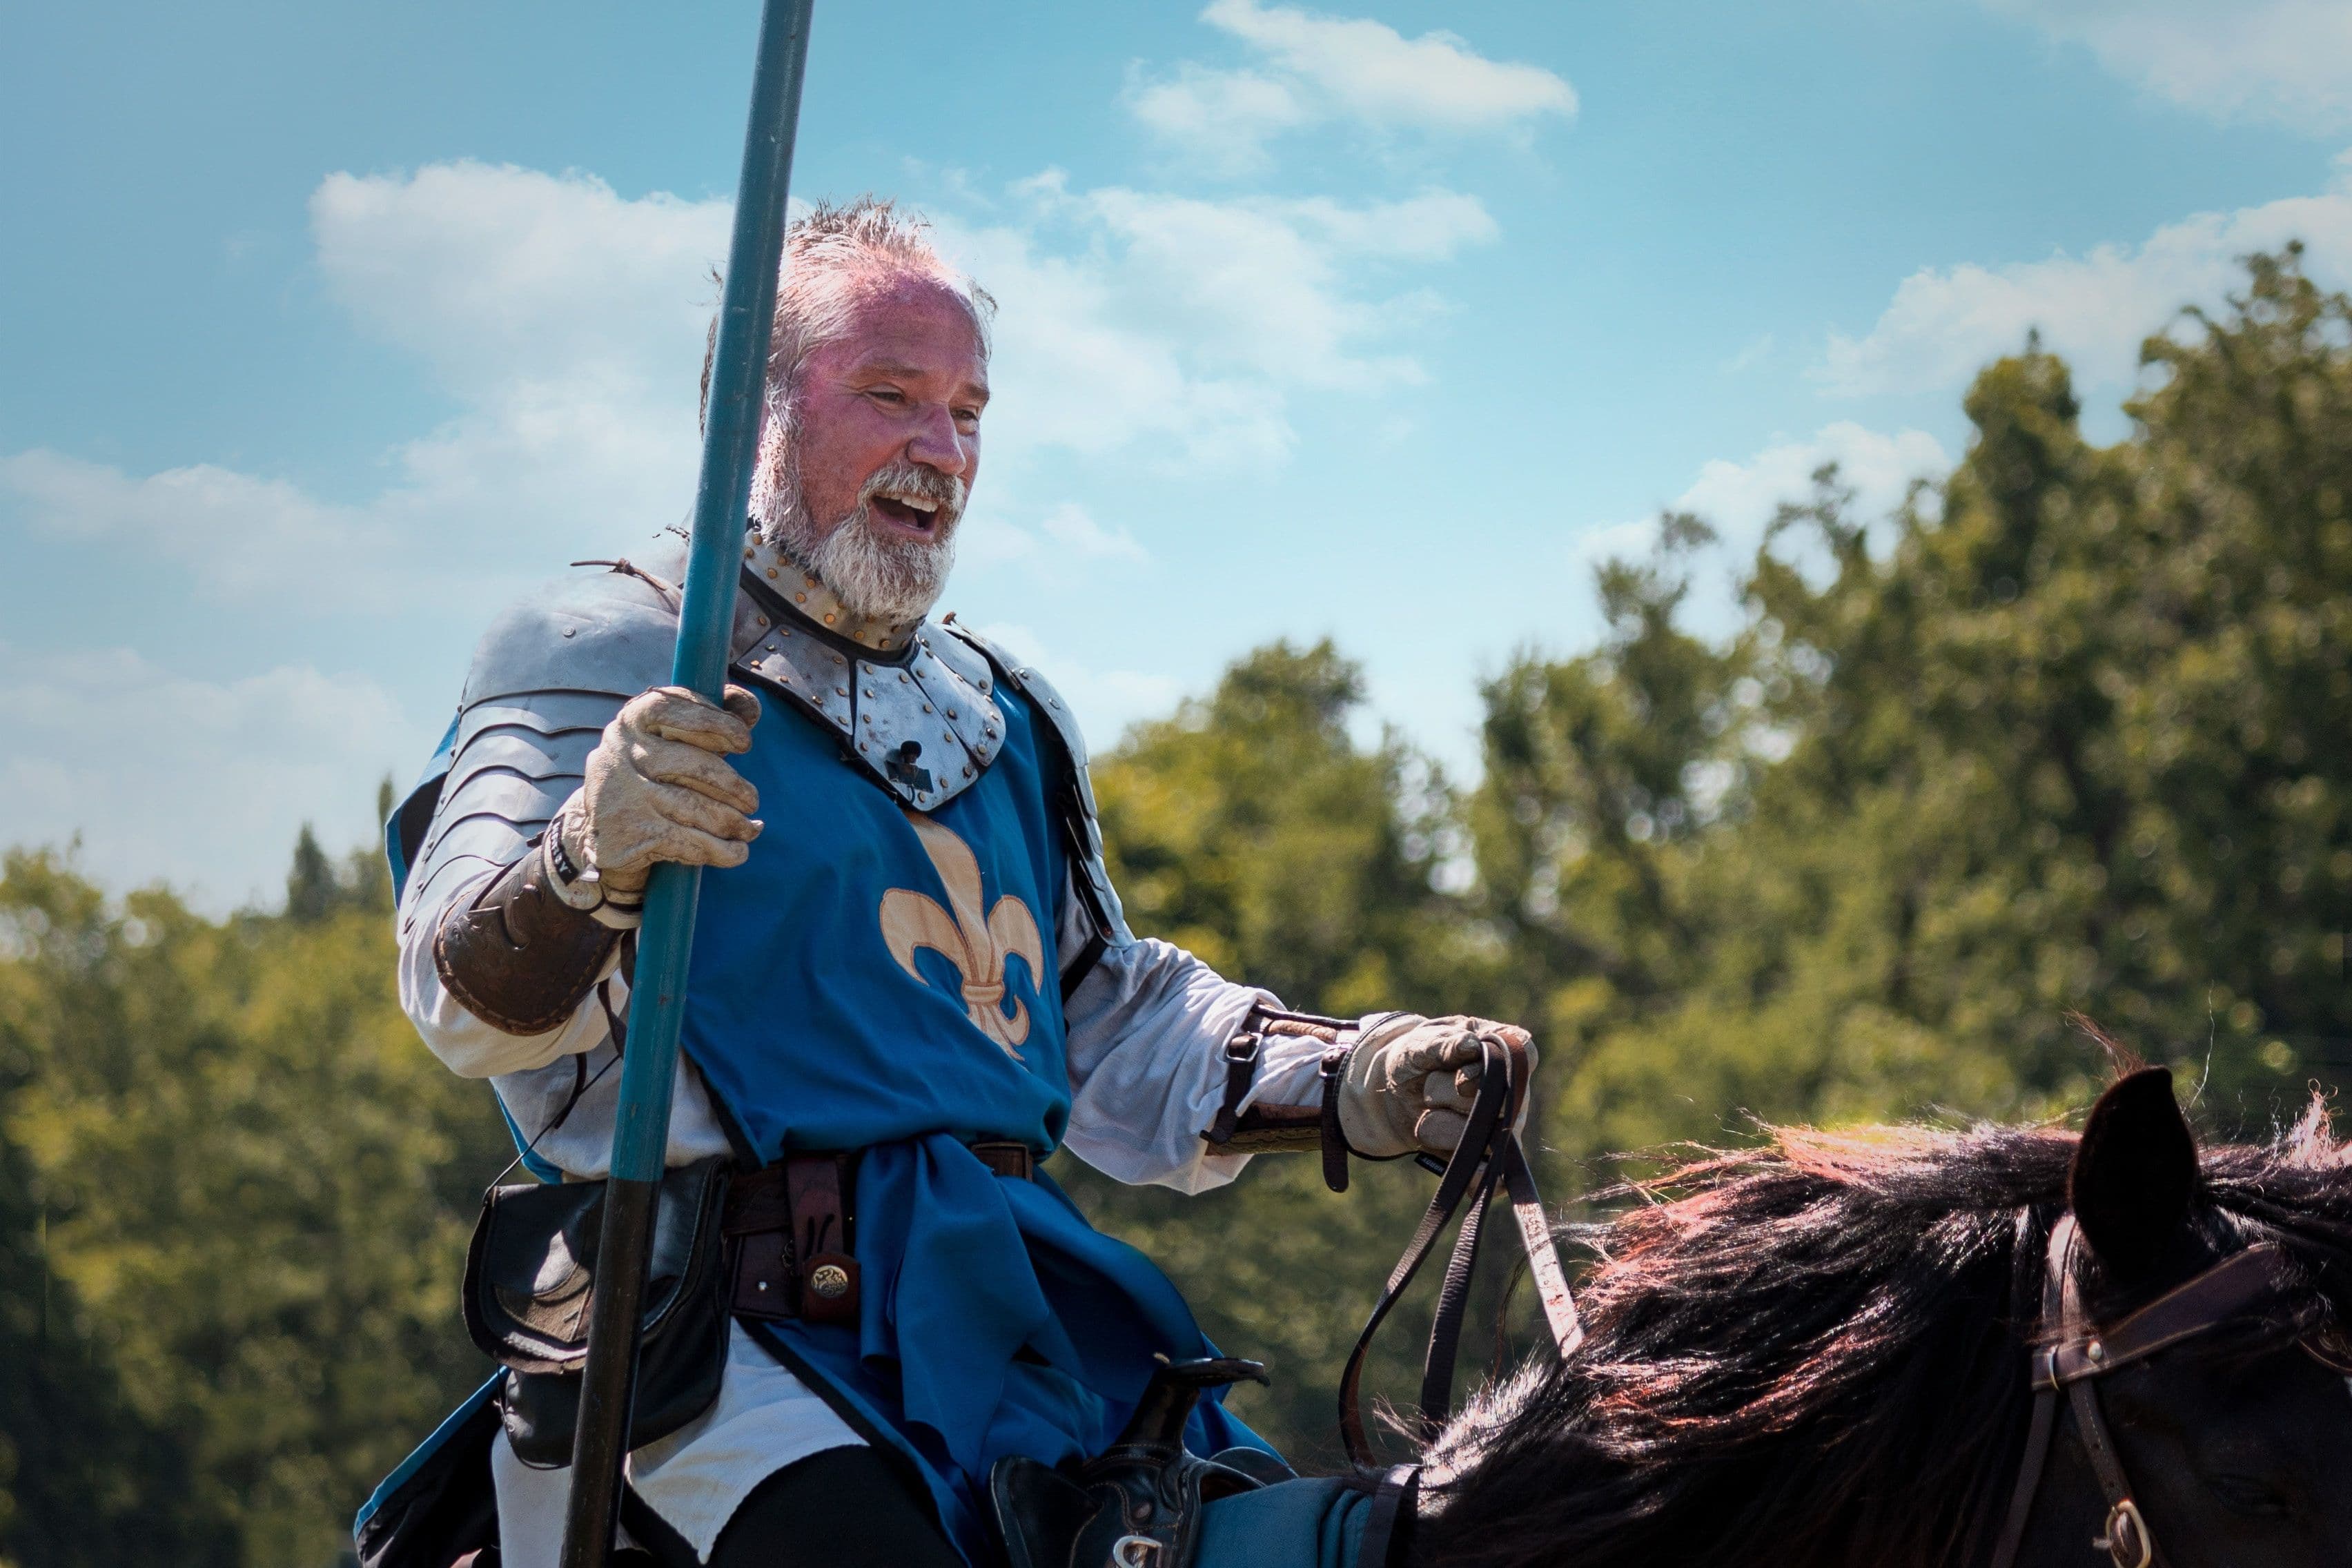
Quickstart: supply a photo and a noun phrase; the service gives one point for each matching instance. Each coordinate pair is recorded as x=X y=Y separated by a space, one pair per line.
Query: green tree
x=2066 y=732
x=257 y=1186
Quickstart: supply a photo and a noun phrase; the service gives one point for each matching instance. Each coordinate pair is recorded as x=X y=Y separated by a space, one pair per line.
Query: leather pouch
x=531 y=1288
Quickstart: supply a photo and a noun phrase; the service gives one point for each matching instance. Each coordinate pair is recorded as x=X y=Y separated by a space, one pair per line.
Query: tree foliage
x=251 y=1188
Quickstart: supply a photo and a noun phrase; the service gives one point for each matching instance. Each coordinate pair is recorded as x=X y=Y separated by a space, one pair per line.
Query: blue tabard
x=874 y=979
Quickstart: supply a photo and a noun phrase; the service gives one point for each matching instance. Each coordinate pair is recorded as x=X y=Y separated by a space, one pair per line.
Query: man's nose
x=936 y=444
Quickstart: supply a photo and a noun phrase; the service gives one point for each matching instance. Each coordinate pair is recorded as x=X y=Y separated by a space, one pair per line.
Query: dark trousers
x=844 y=1508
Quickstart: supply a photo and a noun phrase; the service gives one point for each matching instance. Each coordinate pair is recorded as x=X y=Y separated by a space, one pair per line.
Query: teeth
x=921 y=503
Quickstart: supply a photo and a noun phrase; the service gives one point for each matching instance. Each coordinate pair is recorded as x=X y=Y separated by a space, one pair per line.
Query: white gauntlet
x=1410 y=1081
x=657 y=790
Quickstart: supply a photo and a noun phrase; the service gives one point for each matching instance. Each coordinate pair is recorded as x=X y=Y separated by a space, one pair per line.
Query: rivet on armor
x=841 y=691
x=927 y=707
x=772 y=571
x=902 y=677
x=828 y=619
x=763 y=620
x=951 y=712
x=572 y=631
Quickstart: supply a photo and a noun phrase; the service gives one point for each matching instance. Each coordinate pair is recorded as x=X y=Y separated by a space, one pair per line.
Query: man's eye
x=885 y=395
x=969 y=415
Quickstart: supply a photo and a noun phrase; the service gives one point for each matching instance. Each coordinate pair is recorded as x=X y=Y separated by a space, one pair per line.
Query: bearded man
x=911 y=981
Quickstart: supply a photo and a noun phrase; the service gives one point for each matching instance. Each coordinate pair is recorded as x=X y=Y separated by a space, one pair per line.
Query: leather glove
x=658 y=789
x=1410 y=1081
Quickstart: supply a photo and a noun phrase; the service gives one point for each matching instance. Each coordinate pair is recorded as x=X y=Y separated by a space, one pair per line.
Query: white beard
x=895 y=580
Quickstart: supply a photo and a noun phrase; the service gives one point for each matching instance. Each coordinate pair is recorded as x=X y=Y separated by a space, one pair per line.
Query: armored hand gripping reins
x=2076 y=1353
x=1487 y=1159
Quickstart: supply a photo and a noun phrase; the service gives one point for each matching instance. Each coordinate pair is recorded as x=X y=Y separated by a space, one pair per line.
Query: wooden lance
x=648 y=1069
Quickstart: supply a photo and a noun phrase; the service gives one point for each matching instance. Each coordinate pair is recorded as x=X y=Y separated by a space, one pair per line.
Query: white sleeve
x=1148 y=1028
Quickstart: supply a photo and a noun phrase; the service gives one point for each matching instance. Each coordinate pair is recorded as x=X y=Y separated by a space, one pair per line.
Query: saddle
x=1137 y=1504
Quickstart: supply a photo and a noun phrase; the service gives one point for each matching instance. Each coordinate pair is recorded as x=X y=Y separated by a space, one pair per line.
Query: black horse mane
x=1810 y=1354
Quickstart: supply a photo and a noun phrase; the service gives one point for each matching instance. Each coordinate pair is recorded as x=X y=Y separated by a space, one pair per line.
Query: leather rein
x=2073 y=1354
x=1488 y=1162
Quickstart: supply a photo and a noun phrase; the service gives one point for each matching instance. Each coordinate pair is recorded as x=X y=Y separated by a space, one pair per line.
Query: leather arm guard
x=519 y=958
x=1282 y=1128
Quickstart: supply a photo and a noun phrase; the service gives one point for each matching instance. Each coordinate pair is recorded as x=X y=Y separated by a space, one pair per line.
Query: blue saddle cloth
x=1297 y=1524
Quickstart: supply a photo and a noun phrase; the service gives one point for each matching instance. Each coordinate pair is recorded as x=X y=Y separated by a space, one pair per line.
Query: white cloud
x=1739 y=498
x=1944 y=324
x=1105 y=701
x=201 y=783
x=565 y=321
x=1072 y=528
x=2284 y=60
x=235 y=536
x=1066 y=536
x=1313 y=67
x=1183 y=325
x=1222 y=119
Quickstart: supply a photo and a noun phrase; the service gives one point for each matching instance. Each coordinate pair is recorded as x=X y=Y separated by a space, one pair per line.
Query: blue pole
x=664 y=942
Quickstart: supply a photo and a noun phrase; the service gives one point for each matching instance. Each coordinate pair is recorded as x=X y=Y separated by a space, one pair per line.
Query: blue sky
x=327 y=328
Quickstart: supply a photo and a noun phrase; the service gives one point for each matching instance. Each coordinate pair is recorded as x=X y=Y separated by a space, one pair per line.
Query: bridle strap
x=2029 y=1477
x=2127 y=1541
x=2078 y=1355
x=1487 y=1158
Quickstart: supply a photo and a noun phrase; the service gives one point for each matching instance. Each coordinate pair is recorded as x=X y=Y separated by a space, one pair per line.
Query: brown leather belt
x=791 y=1228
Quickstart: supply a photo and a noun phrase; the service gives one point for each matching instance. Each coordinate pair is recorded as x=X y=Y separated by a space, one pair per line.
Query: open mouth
x=915 y=514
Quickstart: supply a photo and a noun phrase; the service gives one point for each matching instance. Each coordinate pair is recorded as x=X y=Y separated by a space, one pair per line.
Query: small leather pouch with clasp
x=531 y=1290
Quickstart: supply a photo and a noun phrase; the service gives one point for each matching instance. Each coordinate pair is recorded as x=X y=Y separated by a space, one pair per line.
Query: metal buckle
x=2128 y=1541
x=1136 y=1552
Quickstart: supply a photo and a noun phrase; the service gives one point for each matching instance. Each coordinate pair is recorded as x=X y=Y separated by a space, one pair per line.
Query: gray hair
x=836 y=257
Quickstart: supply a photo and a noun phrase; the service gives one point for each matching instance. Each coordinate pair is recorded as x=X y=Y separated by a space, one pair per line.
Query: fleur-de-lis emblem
x=977 y=943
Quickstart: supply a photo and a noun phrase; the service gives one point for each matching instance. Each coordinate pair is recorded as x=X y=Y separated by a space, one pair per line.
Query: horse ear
x=2134 y=1174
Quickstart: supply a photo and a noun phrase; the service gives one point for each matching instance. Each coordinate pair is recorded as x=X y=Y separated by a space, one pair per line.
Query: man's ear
x=2135 y=1175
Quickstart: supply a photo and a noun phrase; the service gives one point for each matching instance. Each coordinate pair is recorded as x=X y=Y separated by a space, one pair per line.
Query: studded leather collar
x=804 y=595
x=920 y=718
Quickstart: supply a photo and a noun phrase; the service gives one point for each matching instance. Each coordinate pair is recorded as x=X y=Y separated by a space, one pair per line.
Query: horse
x=1902 y=1347
x=1837 y=1351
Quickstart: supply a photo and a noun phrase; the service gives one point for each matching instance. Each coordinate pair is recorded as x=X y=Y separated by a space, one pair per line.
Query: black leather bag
x=530 y=1288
